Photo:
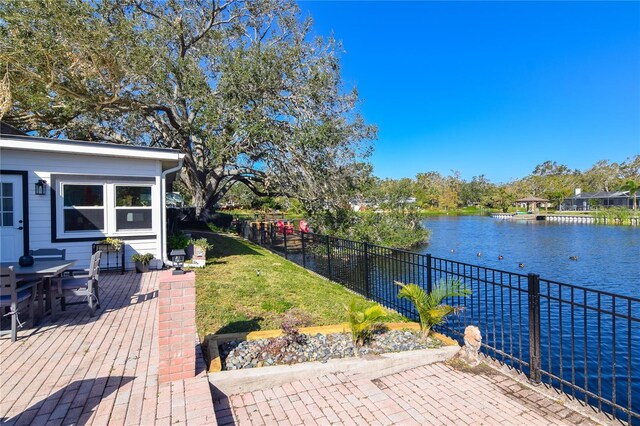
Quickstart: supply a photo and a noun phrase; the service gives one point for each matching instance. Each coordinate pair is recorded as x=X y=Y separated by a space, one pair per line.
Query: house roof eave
x=36 y=144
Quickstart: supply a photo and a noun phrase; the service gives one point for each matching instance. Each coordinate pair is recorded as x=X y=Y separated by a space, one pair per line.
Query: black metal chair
x=85 y=286
x=15 y=299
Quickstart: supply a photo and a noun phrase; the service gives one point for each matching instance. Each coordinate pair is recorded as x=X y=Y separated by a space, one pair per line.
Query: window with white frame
x=133 y=207
x=83 y=207
x=88 y=209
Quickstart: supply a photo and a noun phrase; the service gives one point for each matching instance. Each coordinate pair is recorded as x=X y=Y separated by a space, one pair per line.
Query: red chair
x=304 y=226
x=289 y=229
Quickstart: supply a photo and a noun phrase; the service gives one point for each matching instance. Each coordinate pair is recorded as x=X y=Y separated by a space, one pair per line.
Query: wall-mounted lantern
x=41 y=187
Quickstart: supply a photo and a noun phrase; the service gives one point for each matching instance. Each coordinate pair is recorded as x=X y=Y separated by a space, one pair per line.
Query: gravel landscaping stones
x=278 y=351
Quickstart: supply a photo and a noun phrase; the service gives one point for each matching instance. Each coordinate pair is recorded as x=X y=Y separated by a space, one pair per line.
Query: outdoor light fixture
x=41 y=187
x=177 y=256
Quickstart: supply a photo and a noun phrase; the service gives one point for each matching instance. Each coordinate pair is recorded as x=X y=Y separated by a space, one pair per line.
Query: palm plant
x=632 y=187
x=363 y=320
x=430 y=308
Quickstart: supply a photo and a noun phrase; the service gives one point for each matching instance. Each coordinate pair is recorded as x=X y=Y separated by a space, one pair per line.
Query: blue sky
x=491 y=88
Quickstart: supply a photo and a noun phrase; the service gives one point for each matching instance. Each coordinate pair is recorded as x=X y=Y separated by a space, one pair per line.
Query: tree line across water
x=433 y=191
x=548 y=180
x=389 y=211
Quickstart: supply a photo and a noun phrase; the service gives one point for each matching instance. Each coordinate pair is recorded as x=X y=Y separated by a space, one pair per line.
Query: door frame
x=25 y=205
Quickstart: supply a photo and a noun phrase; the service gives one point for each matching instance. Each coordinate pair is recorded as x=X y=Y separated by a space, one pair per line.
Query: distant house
x=584 y=201
x=70 y=194
x=410 y=200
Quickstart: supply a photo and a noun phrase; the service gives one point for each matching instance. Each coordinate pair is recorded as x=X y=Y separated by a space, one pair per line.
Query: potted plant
x=115 y=243
x=142 y=261
x=200 y=247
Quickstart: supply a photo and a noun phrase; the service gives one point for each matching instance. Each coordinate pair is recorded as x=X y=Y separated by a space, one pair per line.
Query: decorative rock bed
x=239 y=354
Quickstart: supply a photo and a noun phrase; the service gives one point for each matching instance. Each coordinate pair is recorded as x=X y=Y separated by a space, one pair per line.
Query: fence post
x=284 y=232
x=535 y=363
x=328 y=258
x=429 y=279
x=262 y=233
x=366 y=271
x=304 y=260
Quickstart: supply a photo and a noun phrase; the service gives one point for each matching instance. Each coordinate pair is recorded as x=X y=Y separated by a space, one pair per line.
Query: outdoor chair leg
x=92 y=305
x=63 y=303
x=14 y=322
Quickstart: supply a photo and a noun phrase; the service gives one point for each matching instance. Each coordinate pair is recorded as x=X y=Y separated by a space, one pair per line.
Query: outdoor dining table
x=45 y=269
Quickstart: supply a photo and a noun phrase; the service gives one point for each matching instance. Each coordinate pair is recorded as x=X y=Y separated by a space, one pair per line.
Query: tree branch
x=110 y=135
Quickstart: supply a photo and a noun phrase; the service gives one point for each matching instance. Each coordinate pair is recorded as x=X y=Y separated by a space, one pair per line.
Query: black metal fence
x=582 y=341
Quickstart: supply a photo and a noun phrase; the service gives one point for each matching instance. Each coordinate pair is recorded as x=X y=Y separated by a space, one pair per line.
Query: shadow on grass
x=252 y=324
x=224 y=245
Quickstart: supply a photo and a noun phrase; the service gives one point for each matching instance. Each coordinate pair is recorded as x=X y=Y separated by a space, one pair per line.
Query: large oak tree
x=241 y=87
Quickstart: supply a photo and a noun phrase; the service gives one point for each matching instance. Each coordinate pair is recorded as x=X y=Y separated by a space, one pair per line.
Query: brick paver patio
x=100 y=370
x=435 y=394
x=104 y=370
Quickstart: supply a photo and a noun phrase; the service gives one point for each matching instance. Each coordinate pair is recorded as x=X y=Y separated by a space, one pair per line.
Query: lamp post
x=177 y=257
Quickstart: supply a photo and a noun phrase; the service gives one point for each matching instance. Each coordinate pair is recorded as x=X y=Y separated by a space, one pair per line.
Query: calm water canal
x=608 y=256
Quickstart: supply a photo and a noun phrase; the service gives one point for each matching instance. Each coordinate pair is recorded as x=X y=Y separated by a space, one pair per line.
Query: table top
x=41 y=267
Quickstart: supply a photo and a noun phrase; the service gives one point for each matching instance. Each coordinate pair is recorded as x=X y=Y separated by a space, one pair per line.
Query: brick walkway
x=101 y=370
x=435 y=394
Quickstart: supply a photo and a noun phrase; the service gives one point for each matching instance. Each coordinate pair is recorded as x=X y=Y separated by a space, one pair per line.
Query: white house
x=91 y=191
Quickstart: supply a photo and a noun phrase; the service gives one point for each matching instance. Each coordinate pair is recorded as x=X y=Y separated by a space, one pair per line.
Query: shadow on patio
x=70 y=403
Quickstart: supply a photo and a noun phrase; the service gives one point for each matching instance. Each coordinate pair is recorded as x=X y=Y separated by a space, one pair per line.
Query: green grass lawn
x=246 y=288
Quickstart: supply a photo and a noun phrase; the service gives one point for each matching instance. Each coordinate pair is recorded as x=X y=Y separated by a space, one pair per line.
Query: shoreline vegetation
x=610 y=216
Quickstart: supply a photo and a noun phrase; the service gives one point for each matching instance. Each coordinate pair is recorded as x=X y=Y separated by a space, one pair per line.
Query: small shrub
x=291 y=335
x=364 y=320
x=178 y=240
x=142 y=258
x=429 y=306
x=291 y=329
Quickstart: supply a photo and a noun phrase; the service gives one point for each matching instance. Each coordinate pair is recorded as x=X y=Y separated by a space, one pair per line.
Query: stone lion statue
x=472 y=341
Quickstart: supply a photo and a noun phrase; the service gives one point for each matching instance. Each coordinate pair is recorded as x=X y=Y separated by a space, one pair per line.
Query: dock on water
x=520 y=216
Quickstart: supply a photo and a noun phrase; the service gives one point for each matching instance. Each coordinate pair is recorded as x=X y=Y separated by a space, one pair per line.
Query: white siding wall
x=42 y=165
